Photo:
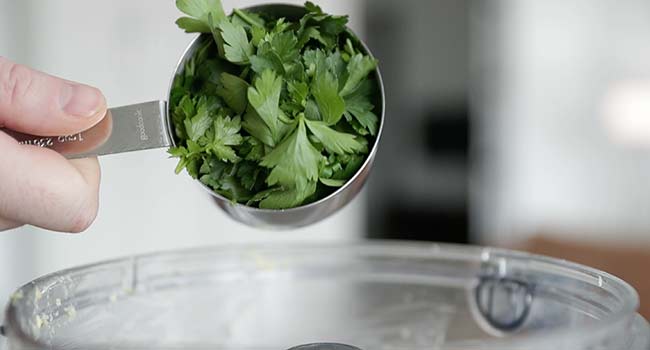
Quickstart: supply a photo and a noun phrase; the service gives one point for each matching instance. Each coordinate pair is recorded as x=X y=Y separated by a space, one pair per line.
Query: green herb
x=199 y=12
x=272 y=112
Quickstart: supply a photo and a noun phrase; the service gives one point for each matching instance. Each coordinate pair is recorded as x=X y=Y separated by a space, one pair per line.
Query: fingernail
x=80 y=100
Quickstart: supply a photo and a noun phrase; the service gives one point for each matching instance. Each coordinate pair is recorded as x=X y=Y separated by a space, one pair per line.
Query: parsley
x=237 y=48
x=199 y=12
x=358 y=69
x=295 y=164
x=226 y=135
x=335 y=142
x=265 y=98
x=233 y=90
x=272 y=112
x=330 y=103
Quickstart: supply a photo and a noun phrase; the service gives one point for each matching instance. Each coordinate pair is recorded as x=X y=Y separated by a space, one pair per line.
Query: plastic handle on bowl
x=124 y=129
x=504 y=303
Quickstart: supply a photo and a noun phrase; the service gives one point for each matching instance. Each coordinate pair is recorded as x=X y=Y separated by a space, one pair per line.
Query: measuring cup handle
x=124 y=129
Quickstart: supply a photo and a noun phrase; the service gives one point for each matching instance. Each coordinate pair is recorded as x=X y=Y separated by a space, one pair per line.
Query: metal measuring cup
x=148 y=125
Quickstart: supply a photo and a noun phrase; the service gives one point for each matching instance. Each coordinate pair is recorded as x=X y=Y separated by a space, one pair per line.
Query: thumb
x=37 y=103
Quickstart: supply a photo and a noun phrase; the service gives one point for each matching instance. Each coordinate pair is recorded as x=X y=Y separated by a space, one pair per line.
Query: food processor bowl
x=370 y=296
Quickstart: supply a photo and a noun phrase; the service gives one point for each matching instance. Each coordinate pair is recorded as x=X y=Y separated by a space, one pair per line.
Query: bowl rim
x=622 y=317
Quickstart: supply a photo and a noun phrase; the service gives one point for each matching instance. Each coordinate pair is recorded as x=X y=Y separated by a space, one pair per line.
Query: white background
x=548 y=161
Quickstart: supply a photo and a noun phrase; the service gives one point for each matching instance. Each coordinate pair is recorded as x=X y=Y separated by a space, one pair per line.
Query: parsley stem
x=248 y=19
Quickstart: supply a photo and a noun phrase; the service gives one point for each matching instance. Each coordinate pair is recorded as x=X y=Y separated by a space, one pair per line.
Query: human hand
x=39 y=186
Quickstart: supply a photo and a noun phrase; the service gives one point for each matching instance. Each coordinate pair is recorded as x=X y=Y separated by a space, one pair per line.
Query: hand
x=39 y=186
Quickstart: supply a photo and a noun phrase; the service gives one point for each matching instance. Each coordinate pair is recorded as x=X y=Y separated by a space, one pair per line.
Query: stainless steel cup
x=148 y=126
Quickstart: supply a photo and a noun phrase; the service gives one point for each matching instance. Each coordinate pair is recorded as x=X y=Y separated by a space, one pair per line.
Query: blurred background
x=522 y=124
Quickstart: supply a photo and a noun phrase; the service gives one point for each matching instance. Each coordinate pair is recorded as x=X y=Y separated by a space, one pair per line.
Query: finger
x=39 y=187
x=6 y=224
x=89 y=169
x=37 y=103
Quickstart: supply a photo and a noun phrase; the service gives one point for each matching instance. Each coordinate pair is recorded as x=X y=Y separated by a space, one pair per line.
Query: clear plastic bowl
x=376 y=295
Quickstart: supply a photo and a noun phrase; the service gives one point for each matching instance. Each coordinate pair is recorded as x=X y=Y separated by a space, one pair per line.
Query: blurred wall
x=546 y=164
x=129 y=50
x=419 y=189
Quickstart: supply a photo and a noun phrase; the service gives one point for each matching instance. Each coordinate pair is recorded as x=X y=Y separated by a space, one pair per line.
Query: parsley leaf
x=223 y=178
x=226 y=134
x=248 y=19
x=336 y=65
x=255 y=126
x=197 y=125
x=237 y=48
x=299 y=92
x=320 y=26
x=258 y=34
x=192 y=25
x=341 y=167
x=358 y=69
x=325 y=88
x=249 y=173
x=264 y=96
x=266 y=59
x=311 y=110
x=360 y=109
x=294 y=162
x=332 y=182
x=315 y=62
x=199 y=10
x=312 y=8
x=310 y=33
x=234 y=91
x=260 y=196
x=285 y=199
x=285 y=46
x=334 y=141
x=252 y=149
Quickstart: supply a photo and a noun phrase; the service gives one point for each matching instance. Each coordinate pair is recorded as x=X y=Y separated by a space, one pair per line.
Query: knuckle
x=15 y=81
